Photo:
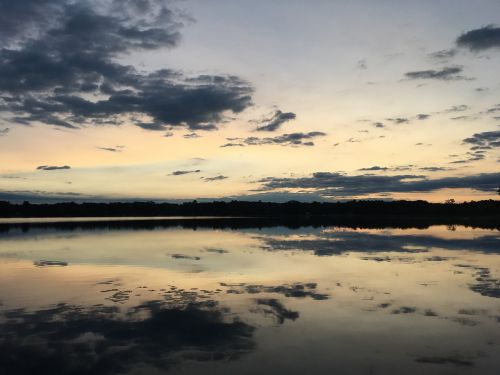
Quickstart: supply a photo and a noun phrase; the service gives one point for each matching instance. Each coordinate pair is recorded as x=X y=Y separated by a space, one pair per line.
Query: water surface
x=318 y=300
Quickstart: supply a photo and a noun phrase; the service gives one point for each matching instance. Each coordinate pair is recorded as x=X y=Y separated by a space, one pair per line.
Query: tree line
x=252 y=209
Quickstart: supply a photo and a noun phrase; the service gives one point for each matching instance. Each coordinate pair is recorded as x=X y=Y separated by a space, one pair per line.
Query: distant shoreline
x=486 y=208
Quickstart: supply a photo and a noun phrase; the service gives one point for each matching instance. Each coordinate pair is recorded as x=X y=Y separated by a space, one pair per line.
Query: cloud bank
x=331 y=184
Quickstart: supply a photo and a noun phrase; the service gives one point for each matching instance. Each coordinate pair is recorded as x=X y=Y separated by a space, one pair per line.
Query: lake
x=156 y=297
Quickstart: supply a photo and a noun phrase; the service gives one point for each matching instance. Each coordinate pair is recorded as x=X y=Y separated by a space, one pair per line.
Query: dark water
x=327 y=300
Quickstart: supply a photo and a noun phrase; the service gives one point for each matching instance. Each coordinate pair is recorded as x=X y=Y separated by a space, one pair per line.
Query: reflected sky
x=277 y=300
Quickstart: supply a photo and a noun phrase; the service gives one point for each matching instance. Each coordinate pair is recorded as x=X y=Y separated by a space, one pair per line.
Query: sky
x=272 y=100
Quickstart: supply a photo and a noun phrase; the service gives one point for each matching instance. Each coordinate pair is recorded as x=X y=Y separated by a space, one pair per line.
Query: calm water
x=166 y=299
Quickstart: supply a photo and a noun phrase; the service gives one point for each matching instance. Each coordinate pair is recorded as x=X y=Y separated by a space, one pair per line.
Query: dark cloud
x=485 y=140
x=423 y=116
x=215 y=178
x=52 y=167
x=445 y=74
x=4 y=131
x=480 y=144
x=330 y=184
x=291 y=139
x=278 y=119
x=152 y=126
x=378 y=124
x=59 y=66
x=480 y=39
x=180 y=173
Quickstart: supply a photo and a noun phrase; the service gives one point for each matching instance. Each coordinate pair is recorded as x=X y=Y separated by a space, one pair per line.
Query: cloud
x=191 y=136
x=423 y=116
x=362 y=64
x=397 y=168
x=332 y=184
x=231 y=144
x=151 y=126
x=480 y=144
x=52 y=167
x=378 y=124
x=495 y=108
x=443 y=55
x=291 y=139
x=399 y=120
x=111 y=149
x=215 y=178
x=278 y=119
x=434 y=169
x=459 y=118
x=4 y=132
x=485 y=140
x=471 y=157
x=374 y=168
x=458 y=108
x=445 y=74
x=59 y=63
x=480 y=39
x=180 y=173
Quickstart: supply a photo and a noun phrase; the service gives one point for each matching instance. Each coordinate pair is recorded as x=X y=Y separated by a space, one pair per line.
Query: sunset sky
x=272 y=100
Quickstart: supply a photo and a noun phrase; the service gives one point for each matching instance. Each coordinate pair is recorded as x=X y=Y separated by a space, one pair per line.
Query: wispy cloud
x=291 y=139
x=445 y=74
x=183 y=172
x=52 y=167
